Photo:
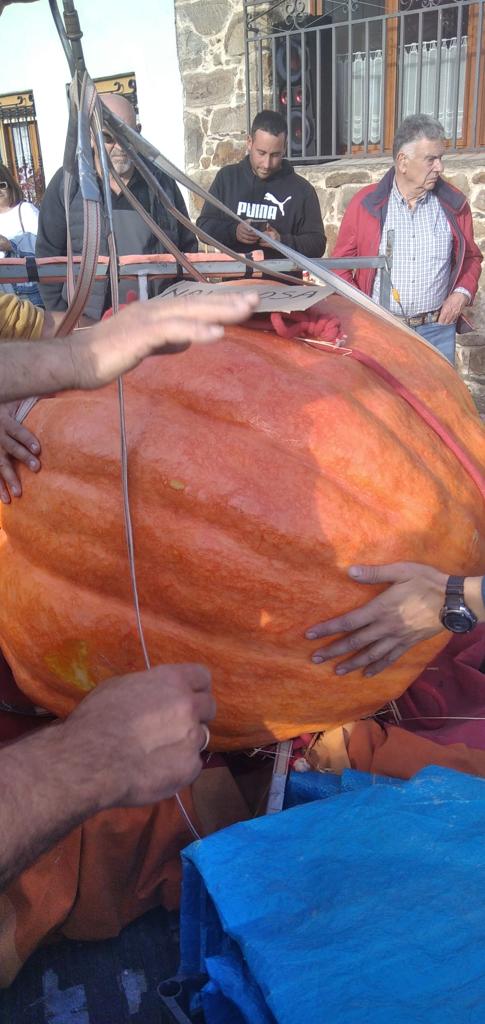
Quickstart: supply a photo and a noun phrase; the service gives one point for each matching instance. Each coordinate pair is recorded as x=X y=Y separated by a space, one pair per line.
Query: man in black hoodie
x=264 y=189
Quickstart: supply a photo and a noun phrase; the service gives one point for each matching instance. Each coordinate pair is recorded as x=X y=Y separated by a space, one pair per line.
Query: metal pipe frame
x=15 y=271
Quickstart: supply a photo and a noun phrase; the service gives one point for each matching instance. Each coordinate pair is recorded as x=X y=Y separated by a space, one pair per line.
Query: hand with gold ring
x=156 y=734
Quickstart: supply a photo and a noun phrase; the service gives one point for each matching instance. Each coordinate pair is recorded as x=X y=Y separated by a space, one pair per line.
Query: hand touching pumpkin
x=380 y=631
x=16 y=443
x=161 y=326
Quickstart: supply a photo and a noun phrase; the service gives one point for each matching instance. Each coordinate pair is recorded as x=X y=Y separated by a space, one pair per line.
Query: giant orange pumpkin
x=259 y=470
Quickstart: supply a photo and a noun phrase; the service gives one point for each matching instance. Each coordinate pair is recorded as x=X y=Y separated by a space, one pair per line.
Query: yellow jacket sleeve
x=19 y=319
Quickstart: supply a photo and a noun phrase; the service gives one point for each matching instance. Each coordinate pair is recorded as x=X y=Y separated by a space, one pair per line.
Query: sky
x=116 y=39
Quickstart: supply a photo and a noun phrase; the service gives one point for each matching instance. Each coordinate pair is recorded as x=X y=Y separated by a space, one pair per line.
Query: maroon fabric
x=14 y=725
x=450 y=689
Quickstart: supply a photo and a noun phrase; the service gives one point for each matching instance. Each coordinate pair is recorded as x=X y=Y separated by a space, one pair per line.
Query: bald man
x=132 y=234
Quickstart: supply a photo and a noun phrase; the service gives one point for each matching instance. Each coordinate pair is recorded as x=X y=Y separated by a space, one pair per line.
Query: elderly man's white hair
x=417 y=126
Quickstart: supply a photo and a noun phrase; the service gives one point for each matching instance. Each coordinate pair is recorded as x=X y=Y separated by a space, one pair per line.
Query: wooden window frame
x=475 y=52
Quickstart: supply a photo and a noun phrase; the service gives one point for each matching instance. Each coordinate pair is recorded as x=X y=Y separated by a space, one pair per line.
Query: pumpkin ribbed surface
x=259 y=470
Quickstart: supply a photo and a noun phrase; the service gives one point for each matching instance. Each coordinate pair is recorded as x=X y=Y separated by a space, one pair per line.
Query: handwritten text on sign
x=271 y=298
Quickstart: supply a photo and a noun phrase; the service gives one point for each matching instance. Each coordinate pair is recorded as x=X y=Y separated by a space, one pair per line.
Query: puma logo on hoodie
x=271 y=198
x=256 y=211
x=260 y=211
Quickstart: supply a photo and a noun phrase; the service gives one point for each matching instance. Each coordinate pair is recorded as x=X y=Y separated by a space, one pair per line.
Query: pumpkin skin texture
x=260 y=469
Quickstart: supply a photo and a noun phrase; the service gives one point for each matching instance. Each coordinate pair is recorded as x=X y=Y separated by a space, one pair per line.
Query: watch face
x=459 y=622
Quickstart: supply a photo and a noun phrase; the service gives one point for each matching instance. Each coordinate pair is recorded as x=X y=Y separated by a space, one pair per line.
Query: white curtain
x=453 y=72
x=358 y=92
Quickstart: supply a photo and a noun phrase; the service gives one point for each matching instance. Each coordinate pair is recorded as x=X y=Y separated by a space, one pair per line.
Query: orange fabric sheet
x=100 y=877
x=388 y=750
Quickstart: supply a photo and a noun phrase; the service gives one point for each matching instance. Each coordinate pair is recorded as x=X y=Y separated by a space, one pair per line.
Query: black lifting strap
x=31 y=268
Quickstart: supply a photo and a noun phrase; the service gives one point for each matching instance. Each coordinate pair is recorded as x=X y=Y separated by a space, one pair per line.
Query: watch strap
x=455 y=614
x=455 y=586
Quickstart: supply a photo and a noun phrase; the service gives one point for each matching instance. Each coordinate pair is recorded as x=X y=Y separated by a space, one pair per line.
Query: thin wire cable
x=128 y=522
x=96 y=119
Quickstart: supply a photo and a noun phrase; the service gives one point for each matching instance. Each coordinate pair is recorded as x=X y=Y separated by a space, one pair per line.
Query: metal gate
x=20 y=145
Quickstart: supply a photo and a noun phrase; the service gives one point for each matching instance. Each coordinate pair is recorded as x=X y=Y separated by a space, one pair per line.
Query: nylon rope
x=417 y=404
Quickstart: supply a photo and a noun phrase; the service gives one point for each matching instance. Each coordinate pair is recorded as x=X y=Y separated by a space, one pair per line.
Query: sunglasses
x=4 y=184
x=108 y=138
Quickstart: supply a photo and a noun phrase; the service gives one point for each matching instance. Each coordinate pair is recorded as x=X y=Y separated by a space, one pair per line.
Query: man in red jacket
x=435 y=263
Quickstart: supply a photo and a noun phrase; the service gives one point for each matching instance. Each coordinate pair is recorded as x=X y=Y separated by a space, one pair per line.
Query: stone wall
x=210 y=39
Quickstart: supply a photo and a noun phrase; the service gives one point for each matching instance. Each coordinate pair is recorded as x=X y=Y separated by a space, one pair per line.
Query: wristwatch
x=455 y=615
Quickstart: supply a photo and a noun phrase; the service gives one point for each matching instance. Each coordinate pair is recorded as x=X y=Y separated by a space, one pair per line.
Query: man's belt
x=421 y=318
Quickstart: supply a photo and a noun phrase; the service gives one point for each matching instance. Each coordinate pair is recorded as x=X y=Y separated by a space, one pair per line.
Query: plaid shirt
x=421 y=259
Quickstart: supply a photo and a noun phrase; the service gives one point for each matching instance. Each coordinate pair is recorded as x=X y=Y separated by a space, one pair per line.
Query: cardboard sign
x=272 y=298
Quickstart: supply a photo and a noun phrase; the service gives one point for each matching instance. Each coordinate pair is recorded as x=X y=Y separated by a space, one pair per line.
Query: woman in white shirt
x=17 y=216
x=18 y=230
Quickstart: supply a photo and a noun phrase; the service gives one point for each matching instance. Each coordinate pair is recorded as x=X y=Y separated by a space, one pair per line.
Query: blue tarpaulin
x=364 y=907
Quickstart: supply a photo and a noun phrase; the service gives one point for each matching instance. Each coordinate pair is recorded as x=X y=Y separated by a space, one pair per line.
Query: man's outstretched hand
x=94 y=357
x=158 y=327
